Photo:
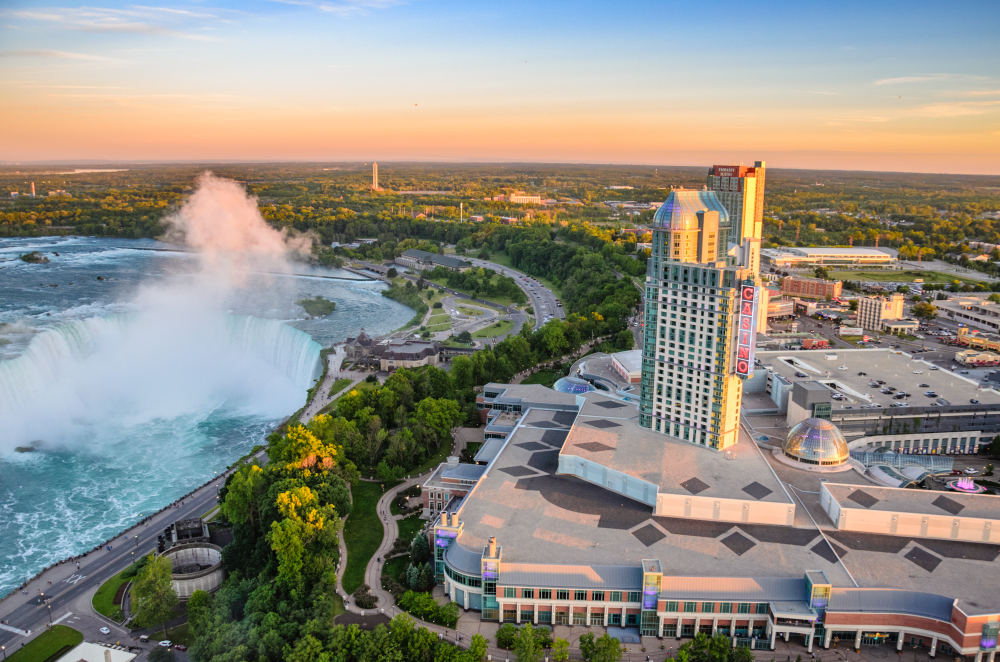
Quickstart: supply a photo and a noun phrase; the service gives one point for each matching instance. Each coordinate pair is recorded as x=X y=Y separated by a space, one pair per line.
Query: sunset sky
x=908 y=86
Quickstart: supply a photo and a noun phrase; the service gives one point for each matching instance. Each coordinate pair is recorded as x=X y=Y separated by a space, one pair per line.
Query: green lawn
x=177 y=635
x=494 y=330
x=439 y=319
x=473 y=312
x=473 y=447
x=543 y=377
x=338 y=386
x=104 y=598
x=408 y=527
x=394 y=568
x=362 y=532
x=47 y=644
x=439 y=327
x=907 y=276
x=450 y=342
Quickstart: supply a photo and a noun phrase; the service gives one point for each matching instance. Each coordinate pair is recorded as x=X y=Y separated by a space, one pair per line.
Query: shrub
x=437 y=304
x=363 y=597
x=392 y=272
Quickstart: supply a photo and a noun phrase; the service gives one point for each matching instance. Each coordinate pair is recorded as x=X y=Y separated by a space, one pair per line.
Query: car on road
x=165 y=643
x=180 y=647
x=800 y=374
x=969 y=471
x=762 y=437
x=924 y=385
x=973 y=401
x=105 y=631
x=931 y=394
x=934 y=367
x=862 y=374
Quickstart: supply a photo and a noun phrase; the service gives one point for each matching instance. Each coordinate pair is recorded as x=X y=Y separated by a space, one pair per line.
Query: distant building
x=873 y=311
x=523 y=199
x=14 y=194
x=620 y=188
x=741 y=191
x=360 y=346
x=816 y=288
x=375 y=186
x=449 y=483
x=477 y=219
x=417 y=259
x=830 y=256
x=971 y=311
x=508 y=220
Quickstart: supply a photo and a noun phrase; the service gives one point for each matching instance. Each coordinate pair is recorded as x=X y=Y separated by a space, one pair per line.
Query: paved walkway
x=321 y=397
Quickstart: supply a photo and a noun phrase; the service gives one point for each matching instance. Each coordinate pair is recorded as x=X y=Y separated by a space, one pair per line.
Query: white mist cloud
x=179 y=356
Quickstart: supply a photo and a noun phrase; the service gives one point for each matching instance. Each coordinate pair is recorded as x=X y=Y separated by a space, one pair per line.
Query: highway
x=541 y=298
x=67 y=589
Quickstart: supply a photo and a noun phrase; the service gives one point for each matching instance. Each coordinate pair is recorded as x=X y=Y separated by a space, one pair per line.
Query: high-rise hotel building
x=741 y=191
x=701 y=308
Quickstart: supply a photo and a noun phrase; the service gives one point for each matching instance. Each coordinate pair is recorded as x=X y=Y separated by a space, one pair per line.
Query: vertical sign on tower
x=746 y=336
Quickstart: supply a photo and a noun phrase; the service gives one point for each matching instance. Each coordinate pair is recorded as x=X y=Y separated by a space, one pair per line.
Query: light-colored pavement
x=321 y=397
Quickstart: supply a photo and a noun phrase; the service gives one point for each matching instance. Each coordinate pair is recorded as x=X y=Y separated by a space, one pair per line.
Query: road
x=544 y=300
x=68 y=590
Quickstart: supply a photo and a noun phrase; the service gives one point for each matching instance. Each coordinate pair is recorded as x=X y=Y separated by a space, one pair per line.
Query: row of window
x=710 y=607
x=465 y=580
x=563 y=594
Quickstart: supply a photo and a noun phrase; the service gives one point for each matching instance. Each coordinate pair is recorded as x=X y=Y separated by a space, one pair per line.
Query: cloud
x=345 y=8
x=980 y=93
x=925 y=78
x=137 y=19
x=65 y=55
x=958 y=108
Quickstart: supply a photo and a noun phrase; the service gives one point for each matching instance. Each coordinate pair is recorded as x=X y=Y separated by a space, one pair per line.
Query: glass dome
x=573 y=385
x=816 y=441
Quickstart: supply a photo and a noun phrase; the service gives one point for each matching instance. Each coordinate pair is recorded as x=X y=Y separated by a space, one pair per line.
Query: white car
x=165 y=643
x=969 y=471
x=105 y=631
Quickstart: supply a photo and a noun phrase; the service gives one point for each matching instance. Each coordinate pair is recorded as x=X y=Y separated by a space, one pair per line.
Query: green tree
x=560 y=650
x=995 y=297
x=924 y=311
x=507 y=636
x=742 y=654
x=419 y=550
x=821 y=272
x=466 y=337
x=526 y=648
x=477 y=649
x=461 y=373
x=392 y=273
x=245 y=496
x=604 y=649
x=439 y=414
x=853 y=305
x=154 y=594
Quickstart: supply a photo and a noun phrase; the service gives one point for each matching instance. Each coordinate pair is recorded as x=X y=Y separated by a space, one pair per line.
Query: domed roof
x=816 y=441
x=680 y=210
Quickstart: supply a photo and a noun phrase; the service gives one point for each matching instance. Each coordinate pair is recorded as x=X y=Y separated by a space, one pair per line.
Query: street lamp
x=4 y=649
x=50 y=615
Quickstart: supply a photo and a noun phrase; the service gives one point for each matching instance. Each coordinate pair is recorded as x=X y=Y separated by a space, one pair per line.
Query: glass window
x=616 y=596
x=690 y=606
x=761 y=608
x=670 y=606
x=631 y=619
x=634 y=596
x=508 y=592
x=579 y=595
x=744 y=608
x=562 y=594
x=708 y=607
x=528 y=593
x=544 y=594
x=598 y=596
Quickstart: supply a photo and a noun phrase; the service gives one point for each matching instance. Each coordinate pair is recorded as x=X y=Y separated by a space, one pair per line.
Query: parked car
x=105 y=631
x=800 y=374
x=180 y=647
x=165 y=643
x=969 y=471
x=974 y=401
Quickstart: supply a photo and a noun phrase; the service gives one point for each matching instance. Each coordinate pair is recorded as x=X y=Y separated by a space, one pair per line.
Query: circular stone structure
x=196 y=566
x=816 y=441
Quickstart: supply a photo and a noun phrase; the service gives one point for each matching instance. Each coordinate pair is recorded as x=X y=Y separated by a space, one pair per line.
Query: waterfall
x=137 y=368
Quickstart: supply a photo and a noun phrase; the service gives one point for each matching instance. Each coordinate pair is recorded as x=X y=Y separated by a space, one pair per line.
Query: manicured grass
x=473 y=447
x=454 y=343
x=439 y=319
x=907 y=276
x=394 y=568
x=177 y=635
x=494 y=330
x=543 y=377
x=338 y=386
x=408 y=527
x=439 y=327
x=104 y=598
x=362 y=533
x=47 y=644
x=465 y=310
